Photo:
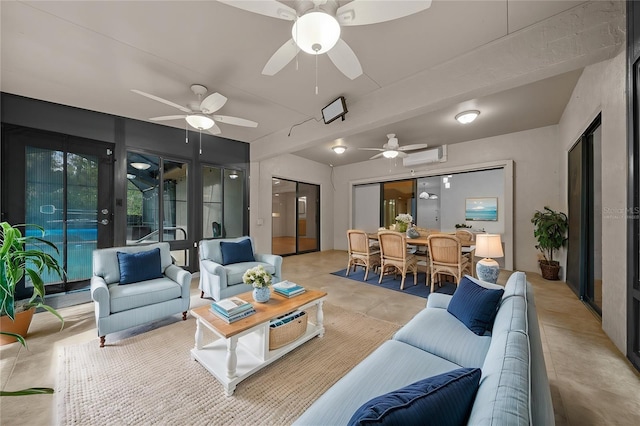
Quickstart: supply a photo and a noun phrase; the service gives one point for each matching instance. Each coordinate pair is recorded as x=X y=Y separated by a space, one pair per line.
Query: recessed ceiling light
x=233 y=175
x=140 y=166
x=467 y=117
x=339 y=149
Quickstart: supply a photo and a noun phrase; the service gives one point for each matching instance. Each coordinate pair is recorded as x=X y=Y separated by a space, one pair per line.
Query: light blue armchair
x=119 y=306
x=221 y=281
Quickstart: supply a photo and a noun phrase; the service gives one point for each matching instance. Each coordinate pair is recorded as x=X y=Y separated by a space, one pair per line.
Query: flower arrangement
x=257 y=277
x=404 y=218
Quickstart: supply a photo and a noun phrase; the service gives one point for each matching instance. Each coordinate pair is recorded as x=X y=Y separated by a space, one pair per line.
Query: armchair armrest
x=212 y=268
x=272 y=259
x=438 y=300
x=180 y=276
x=100 y=295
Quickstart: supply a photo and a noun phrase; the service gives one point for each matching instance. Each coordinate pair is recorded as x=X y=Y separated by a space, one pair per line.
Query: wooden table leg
x=198 y=336
x=320 y=319
x=232 y=357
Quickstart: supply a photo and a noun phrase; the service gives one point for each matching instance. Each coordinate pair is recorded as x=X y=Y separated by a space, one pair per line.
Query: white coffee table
x=242 y=348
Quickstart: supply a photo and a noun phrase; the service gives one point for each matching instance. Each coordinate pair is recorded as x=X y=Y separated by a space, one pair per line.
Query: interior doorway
x=295 y=217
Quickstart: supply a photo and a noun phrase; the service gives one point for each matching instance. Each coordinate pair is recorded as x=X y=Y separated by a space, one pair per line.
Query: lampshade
x=390 y=154
x=489 y=245
x=467 y=117
x=339 y=149
x=140 y=166
x=316 y=32
x=201 y=122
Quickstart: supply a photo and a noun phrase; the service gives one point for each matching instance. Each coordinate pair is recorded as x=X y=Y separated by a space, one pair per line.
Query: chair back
x=445 y=249
x=358 y=241
x=465 y=235
x=393 y=245
x=210 y=249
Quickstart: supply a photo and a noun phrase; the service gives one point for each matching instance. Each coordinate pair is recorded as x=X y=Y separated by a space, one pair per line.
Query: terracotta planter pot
x=19 y=326
x=550 y=270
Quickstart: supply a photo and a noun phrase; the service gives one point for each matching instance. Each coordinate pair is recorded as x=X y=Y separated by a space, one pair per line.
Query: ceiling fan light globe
x=339 y=149
x=316 y=32
x=200 y=122
x=390 y=154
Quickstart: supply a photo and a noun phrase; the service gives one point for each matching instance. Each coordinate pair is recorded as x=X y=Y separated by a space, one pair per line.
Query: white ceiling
x=89 y=54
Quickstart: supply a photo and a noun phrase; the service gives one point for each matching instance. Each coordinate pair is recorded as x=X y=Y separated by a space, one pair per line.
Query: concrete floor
x=592 y=383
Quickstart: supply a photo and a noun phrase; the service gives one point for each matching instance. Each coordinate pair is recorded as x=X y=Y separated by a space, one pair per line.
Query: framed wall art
x=483 y=209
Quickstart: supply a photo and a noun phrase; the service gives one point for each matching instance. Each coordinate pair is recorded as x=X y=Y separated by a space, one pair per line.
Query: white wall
x=367 y=215
x=601 y=88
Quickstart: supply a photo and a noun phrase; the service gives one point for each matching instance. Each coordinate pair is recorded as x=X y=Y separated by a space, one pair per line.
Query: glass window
x=175 y=190
x=223 y=202
x=211 y=202
x=143 y=215
x=233 y=203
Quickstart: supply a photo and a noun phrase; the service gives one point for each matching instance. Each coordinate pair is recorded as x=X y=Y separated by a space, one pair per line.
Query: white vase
x=261 y=294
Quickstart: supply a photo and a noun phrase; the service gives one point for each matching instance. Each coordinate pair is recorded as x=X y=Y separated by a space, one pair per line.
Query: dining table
x=422 y=241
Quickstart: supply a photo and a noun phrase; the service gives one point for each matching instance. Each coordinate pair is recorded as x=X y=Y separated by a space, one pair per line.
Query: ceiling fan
x=392 y=149
x=317 y=23
x=199 y=114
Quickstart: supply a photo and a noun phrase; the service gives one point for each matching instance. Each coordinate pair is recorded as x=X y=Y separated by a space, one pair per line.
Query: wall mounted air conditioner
x=434 y=155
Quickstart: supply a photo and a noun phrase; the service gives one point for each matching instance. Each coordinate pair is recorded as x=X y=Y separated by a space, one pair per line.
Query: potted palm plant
x=550 y=229
x=16 y=261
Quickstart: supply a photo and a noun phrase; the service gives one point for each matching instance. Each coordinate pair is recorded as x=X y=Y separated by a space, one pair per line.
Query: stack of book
x=232 y=309
x=288 y=289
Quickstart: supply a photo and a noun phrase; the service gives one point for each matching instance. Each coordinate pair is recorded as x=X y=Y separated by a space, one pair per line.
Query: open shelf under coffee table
x=242 y=348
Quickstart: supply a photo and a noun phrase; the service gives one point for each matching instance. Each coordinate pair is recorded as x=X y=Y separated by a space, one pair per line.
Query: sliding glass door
x=295 y=217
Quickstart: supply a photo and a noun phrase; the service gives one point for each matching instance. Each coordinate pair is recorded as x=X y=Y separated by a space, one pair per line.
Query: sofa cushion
x=235 y=271
x=503 y=395
x=445 y=399
x=105 y=261
x=437 y=331
x=391 y=366
x=141 y=266
x=236 y=252
x=131 y=296
x=475 y=306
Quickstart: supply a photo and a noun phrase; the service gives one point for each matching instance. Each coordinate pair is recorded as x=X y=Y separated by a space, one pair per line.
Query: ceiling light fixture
x=316 y=32
x=339 y=149
x=130 y=176
x=390 y=153
x=200 y=122
x=140 y=166
x=233 y=175
x=467 y=117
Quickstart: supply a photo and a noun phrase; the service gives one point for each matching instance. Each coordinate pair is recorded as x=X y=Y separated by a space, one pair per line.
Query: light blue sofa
x=119 y=307
x=221 y=281
x=514 y=388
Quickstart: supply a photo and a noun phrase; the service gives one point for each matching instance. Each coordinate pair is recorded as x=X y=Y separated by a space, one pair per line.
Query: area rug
x=151 y=379
x=392 y=283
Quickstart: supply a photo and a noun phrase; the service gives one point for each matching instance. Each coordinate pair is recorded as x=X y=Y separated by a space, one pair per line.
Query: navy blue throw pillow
x=140 y=266
x=236 y=252
x=443 y=400
x=475 y=306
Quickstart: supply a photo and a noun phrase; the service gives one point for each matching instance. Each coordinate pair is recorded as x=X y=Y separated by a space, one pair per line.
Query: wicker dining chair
x=360 y=252
x=445 y=257
x=394 y=256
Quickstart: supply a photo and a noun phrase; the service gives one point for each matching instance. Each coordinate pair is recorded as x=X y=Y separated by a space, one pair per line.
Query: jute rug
x=151 y=379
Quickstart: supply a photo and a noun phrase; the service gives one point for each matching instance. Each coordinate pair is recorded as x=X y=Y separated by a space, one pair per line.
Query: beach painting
x=481 y=208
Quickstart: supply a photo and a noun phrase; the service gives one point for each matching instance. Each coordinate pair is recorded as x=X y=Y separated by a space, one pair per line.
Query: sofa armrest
x=101 y=297
x=212 y=268
x=271 y=259
x=180 y=276
x=438 y=300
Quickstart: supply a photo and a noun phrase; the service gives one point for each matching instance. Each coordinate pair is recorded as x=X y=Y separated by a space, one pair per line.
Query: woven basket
x=287 y=333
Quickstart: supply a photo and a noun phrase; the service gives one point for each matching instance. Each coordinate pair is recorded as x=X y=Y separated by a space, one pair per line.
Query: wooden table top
x=276 y=306
x=422 y=241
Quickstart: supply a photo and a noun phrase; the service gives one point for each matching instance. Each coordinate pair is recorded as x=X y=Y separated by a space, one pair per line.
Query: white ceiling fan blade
x=215 y=130
x=281 y=58
x=168 y=117
x=413 y=147
x=345 y=60
x=376 y=156
x=402 y=154
x=271 y=8
x=364 y=12
x=372 y=149
x=212 y=103
x=164 y=101
x=236 y=121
